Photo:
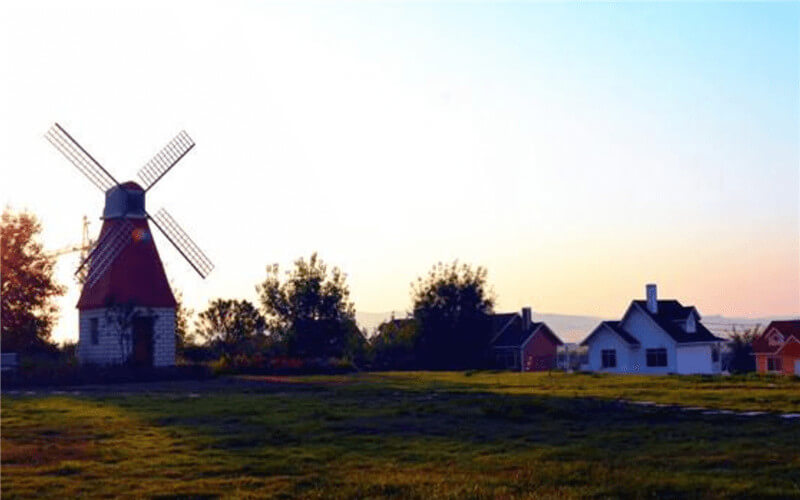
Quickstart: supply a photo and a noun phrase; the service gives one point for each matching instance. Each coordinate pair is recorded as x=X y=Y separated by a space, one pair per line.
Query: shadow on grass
x=330 y=434
x=379 y=439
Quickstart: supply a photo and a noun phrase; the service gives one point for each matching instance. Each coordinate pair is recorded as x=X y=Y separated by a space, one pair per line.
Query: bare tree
x=122 y=316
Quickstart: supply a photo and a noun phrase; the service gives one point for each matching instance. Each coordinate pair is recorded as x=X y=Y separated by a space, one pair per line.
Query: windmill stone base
x=103 y=342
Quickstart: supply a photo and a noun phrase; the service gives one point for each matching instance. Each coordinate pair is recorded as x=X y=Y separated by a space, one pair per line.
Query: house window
x=657 y=357
x=714 y=354
x=609 y=358
x=94 y=330
x=774 y=364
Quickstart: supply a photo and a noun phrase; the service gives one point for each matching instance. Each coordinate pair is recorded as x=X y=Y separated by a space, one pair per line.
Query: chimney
x=652 y=298
x=526 y=319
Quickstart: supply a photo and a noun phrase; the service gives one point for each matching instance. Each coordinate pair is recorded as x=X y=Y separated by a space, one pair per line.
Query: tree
x=392 y=346
x=452 y=305
x=183 y=316
x=122 y=316
x=233 y=325
x=741 y=358
x=27 y=285
x=310 y=310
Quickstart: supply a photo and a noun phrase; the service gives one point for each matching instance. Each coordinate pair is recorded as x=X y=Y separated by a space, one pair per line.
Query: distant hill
x=574 y=328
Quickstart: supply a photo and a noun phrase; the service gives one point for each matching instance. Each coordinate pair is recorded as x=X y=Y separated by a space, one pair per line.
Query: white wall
x=696 y=359
x=607 y=339
x=650 y=336
x=108 y=349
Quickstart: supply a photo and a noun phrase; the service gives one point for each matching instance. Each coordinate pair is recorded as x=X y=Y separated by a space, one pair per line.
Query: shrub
x=41 y=373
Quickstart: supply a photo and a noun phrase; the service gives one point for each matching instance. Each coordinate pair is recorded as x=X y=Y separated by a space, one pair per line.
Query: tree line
x=303 y=313
x=306 y=314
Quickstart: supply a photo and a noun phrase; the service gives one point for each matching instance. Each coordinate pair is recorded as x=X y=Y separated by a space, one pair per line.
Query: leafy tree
x=392 y=347
x=310 y=309
x=741 y=357
x=452 y=305
x=27 y=285
x=233 y=325
x=183 y=316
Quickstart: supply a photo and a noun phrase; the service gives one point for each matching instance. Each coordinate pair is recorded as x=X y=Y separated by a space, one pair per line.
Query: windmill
x=124 y=267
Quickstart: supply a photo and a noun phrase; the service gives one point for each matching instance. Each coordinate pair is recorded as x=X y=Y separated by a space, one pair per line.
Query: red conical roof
x=135 y=277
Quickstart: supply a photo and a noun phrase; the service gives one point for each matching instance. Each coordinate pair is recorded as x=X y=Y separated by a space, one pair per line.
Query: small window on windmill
x=94 y=330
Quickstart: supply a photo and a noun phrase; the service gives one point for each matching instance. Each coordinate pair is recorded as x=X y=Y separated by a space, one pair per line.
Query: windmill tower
x=127 y=309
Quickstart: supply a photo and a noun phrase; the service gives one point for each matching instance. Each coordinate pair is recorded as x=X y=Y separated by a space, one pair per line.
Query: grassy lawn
x=752 y=393
x=404 y=435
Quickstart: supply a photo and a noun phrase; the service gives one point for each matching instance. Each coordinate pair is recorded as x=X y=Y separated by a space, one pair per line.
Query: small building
x=128 y=314
x=520 y=344
x=777 y=349
x=654 y=337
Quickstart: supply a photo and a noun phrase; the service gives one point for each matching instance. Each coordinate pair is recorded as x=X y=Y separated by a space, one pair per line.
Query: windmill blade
x=161 y=163
x=181 y=241
x=108 y=248
x=81 y=158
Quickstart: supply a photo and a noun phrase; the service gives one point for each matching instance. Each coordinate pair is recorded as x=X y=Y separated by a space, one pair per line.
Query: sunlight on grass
x=402 y=435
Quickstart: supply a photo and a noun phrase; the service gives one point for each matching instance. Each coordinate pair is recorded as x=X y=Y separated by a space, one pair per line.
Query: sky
x=576 y=150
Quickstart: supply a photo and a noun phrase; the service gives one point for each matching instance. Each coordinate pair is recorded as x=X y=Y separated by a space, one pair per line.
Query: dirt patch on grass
x=49 y=449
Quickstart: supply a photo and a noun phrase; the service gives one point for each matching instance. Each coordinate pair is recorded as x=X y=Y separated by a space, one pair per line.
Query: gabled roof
x=545 y=330
x=500 y=321
x=790 y=347
x=616 y=327
x=509 y=332
x=136 y=276
x=789 y=328
x=669 y=317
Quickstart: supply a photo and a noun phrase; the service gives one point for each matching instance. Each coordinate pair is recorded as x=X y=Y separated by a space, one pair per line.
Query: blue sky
x=576 y=150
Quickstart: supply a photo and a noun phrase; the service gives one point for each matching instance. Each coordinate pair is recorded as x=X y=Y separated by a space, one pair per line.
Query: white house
x=654 y=337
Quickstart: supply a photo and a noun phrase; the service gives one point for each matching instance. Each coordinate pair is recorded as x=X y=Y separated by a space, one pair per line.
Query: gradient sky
x=577 y=151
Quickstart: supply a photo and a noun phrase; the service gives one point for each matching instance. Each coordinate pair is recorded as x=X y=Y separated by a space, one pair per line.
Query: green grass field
x=405 y=435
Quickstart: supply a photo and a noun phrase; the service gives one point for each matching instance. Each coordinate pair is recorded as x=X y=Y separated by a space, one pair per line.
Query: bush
x=43 y=372
x=259 y=364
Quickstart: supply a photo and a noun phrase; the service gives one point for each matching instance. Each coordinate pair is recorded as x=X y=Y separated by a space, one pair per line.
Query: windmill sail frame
x=182 y=242
x=161 y=163
x=80 y=158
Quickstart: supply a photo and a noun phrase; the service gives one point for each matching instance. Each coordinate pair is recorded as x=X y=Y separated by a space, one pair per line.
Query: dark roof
x=136 y=276
x=616 y=327
x=500 y=321
x=789 y=328
x=669 y=317
x=510 y=333
x=132 y=186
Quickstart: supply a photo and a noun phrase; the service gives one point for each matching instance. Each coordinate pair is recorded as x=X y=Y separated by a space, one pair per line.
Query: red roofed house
x=777 y=350
x=134 y=284
x=521 y=344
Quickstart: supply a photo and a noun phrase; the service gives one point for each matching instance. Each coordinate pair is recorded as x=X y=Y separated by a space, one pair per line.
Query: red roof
x=788 y=329
x=135 y=277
